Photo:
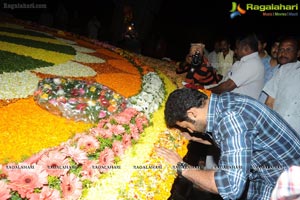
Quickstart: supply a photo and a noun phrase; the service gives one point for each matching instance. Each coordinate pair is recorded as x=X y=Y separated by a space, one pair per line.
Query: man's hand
x=170 y=156
x=188 y=58
x=195 y=139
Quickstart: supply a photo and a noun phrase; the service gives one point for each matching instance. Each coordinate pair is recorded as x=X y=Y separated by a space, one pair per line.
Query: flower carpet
x=80 y=119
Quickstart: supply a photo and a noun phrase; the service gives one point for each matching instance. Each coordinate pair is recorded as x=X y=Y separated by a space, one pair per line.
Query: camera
x=196 y=59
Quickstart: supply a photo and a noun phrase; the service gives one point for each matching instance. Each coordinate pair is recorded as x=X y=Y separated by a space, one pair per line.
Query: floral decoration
x=66 y=171
x=151 y=96
x=78 y=100
x=99 y=162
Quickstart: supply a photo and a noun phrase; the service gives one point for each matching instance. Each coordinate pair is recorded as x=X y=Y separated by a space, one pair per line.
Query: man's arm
x=226 y=86
x=202 y=178
x=205 y=179
x=270 y=102
x=195 y=139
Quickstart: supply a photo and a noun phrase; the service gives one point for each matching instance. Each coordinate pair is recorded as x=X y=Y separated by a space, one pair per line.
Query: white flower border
x=151 y=96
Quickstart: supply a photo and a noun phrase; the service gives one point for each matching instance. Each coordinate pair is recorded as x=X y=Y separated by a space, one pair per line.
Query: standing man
x=247 y=74
x=256 y=144
x=283 y=88
x=224 y=57
x=271 y=66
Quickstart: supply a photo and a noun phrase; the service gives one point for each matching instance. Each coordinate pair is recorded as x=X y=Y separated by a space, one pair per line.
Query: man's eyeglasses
x=287 y=50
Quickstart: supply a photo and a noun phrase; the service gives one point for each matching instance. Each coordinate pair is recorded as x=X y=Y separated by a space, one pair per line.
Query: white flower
x=57 y=81
x=82 y=57
x=152 y=95
x=65 y=41
x=60 y=92
x=17 y=84
x=82 y=49
x=70 y=68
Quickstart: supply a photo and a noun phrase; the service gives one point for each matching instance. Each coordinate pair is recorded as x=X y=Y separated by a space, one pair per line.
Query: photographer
x=196 y=65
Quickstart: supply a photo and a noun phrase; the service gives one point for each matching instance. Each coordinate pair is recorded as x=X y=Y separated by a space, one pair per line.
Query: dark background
x=175 y=22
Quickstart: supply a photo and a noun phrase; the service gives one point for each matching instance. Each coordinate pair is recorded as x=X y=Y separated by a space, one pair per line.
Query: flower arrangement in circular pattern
x=100 y=106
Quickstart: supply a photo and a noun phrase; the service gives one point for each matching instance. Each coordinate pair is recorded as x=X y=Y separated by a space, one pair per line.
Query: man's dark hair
x=179 y=102
x=249 y=40
x=293 y=40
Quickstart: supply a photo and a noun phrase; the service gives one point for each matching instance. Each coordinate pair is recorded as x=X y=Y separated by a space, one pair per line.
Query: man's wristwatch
x=180 y=167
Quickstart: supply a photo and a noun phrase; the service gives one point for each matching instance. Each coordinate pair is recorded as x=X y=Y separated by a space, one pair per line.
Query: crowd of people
x=252 y=116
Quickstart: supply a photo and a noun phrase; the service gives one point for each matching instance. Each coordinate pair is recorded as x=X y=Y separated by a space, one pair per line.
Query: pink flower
x=102 y=122
x=118 y=148
x=122 y=119
x=25 y=180
x=88 y=172
x=81 y=91
x=72 y=100
x=55 y=163
x=62 y=99
x=134 y=132
x=125 y=116
x=115 y=129
x=141 y=121
x=35 y=158
x=3 y=170
x=4 y=191
x=49 y=194
x=88 y=143
x=101 y=132
x=106 y=158
x=102 y=114
x=81 y=106
x=53 y=102
x=76 y=154
x=131 y=111
x=34 y=196
x=71 y=187
x=126 y=140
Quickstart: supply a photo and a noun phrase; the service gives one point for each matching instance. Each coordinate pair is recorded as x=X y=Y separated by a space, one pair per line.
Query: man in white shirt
x=246 y=75
x=283 y=88
x=212 y=56
x=225 y=57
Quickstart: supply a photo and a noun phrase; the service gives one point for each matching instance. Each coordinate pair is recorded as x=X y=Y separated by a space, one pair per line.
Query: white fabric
x=284 y=88
x=248 y=75
x=213 y=59
x=225 y=63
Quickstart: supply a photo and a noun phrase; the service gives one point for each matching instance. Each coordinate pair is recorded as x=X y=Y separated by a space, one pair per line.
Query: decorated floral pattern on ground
x=78 y=100
x=64 y=172
x=149 y=176
x=76 y=181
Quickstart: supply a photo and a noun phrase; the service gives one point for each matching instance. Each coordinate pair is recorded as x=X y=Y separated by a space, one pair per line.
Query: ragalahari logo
x=236 y=10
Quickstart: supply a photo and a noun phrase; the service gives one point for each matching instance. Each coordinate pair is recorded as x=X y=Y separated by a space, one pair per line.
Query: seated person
x=199 y=72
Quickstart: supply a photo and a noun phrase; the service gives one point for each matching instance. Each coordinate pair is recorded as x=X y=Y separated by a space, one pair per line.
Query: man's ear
x=192 y=113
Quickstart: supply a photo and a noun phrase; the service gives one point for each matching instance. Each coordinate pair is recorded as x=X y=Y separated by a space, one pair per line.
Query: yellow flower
x=93 y=89
x=44 y=96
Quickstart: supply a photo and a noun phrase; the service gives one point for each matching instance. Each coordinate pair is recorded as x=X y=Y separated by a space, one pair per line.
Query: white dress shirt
x=284 y=88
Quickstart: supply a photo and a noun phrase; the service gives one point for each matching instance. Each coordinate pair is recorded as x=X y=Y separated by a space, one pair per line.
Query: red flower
x=81 y=106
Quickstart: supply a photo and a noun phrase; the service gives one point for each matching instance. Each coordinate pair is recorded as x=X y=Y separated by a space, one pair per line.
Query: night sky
x=179 y=22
